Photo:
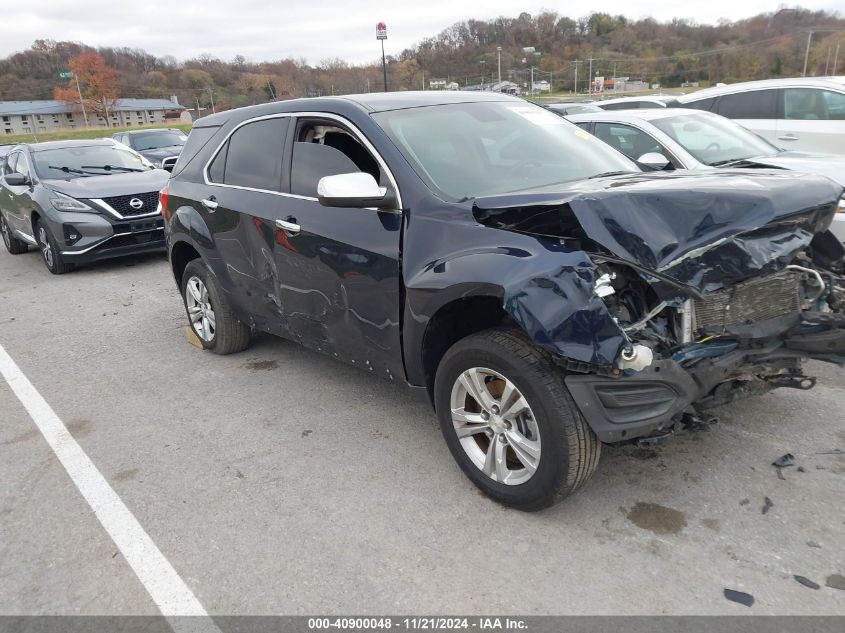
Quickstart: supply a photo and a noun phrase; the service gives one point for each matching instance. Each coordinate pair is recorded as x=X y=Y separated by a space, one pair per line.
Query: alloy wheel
x=199 y=308
x=495 y=426
x=46 y=249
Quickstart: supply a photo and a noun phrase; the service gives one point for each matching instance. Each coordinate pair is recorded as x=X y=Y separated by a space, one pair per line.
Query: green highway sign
x=65 y=74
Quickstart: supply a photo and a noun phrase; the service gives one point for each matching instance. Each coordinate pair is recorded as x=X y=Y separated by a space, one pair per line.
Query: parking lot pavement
x=279 y=481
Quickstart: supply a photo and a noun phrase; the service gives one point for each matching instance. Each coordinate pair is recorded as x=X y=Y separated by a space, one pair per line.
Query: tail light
x=162 y=203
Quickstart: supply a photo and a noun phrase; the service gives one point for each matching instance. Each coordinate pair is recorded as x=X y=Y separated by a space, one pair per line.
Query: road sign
x=381 y=31
x=65 y=74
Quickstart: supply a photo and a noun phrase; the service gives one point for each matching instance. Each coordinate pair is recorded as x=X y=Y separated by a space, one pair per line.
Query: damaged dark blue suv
x=547 y=295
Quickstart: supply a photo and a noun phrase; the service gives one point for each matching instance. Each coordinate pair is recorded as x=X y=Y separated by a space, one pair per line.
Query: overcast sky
x=266 y=30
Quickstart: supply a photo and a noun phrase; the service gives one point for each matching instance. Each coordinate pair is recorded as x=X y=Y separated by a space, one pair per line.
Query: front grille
x=748 y=302
x=122 y=205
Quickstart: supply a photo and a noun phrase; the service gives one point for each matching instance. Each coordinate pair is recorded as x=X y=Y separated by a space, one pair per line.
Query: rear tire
x=13 y=244
x=50 y=253
x=208 y=312
x=528 y=460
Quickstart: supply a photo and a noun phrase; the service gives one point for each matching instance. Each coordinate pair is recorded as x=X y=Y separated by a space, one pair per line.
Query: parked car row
x=545 y=294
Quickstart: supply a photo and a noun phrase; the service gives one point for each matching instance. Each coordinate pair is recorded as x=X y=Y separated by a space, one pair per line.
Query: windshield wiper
x=72 y=170
x=112 y=168
x=609 y=173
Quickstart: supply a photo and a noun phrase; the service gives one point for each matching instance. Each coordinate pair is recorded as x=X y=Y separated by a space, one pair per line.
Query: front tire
x=510 y=422
x=13 y=244
x=208 y=313
x=50 y=253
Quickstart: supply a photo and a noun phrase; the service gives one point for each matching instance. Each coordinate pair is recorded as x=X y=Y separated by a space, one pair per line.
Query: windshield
x=90 y=160
x=714 y=140
x=154 y=140
x=468 y=150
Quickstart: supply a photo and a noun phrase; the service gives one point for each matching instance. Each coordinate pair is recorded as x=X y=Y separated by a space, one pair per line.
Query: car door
x=20 y=198
x=756 y=110
x=338 y=267
x=240 y=203
x=813 y=120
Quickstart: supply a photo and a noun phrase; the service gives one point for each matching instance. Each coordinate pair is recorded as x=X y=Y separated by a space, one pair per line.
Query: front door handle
x=210 y=203
x=288 y=225
x=788 y=137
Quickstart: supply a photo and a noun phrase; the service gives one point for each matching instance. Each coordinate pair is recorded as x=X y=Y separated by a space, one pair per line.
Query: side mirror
x=17 y=180
x=653 y=161
x=358 y=190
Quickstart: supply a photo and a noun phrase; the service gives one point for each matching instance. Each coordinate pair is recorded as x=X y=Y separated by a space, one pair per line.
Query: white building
x=28 y=117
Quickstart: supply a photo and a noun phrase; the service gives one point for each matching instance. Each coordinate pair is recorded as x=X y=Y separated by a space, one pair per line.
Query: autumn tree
x=97 y=83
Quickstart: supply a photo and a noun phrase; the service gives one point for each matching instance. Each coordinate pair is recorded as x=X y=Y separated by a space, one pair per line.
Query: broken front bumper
x=644 y=402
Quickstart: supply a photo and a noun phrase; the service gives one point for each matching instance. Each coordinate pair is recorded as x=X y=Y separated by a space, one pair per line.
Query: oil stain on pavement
x=656 y=518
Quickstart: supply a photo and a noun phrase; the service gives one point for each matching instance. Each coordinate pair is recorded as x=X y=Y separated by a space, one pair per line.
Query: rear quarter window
x=754 y=104
x=198 y=138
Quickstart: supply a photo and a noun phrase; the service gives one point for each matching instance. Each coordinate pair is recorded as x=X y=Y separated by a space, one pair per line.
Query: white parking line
x=169 y=592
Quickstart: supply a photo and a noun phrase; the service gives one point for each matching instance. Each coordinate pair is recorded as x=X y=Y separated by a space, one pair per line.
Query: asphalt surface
x=277 y=481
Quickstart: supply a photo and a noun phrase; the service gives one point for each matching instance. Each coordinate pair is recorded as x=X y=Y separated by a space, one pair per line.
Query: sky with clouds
x=260 y=30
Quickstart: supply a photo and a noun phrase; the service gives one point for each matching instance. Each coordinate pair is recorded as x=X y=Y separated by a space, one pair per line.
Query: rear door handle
x=288 y=225
x=210 y=203
x=788 y=137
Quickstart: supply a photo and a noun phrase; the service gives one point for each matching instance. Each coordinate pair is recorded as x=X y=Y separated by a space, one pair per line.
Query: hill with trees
x=668 y=53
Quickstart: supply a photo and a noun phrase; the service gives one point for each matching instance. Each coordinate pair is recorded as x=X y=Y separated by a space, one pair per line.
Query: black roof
x=369 y=102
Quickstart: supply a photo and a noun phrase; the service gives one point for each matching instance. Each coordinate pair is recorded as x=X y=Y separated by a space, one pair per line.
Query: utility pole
x=532 y=80
x=423 y=80
x=198 y=107
x=827 y=62
x=499 y=54
x=272 y=92
x=807 y=53
x=590 y=76
x=835 y=59
x=384 y=65
x=81 y=101
x=211 y=97
x=575 y=87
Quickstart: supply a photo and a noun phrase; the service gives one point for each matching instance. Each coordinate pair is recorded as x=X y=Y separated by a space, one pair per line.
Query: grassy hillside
x=95 y=132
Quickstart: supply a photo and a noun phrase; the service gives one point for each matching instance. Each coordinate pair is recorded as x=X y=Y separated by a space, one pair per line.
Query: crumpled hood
x=116 y=184
x=704 y=230
x=830 y=165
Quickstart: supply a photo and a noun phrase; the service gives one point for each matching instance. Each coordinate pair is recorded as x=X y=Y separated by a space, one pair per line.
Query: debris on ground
x=767 y=504
x=784 y=460
x=801 y=469
x=745 y=502
x=813 y=544
x=836 y=581
x=820 y=467
x=835 y=451
x=692 y=423
x=739 y=596
x=807 y=582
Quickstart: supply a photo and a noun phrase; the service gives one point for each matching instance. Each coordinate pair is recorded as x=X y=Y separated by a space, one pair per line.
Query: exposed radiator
x=748 y=302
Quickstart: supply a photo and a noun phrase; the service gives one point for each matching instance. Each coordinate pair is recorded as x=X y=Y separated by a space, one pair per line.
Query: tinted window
x=197 y=139
x=701 y=104
x=754 y=104
x=217 y=169
x=254 y=156
x=812 y=104
x=628 y=140
x=312 y=161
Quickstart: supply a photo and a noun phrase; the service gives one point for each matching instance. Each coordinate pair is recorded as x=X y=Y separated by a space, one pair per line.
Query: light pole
x=807 y=53
x=381 y=34
x=499 y=55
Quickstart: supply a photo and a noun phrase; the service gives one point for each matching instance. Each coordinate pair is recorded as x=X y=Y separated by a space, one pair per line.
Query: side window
x=702 y=104
x=755 y=104
x=584 y=126
x=628 y=140
x=22 y=165
x=812 y=104
x=10 y=163
x=252 y=157
x=322 y=149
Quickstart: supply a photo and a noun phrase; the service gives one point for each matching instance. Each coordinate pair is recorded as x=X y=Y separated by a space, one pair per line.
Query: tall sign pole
x=381 y=34
x=66 y=74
